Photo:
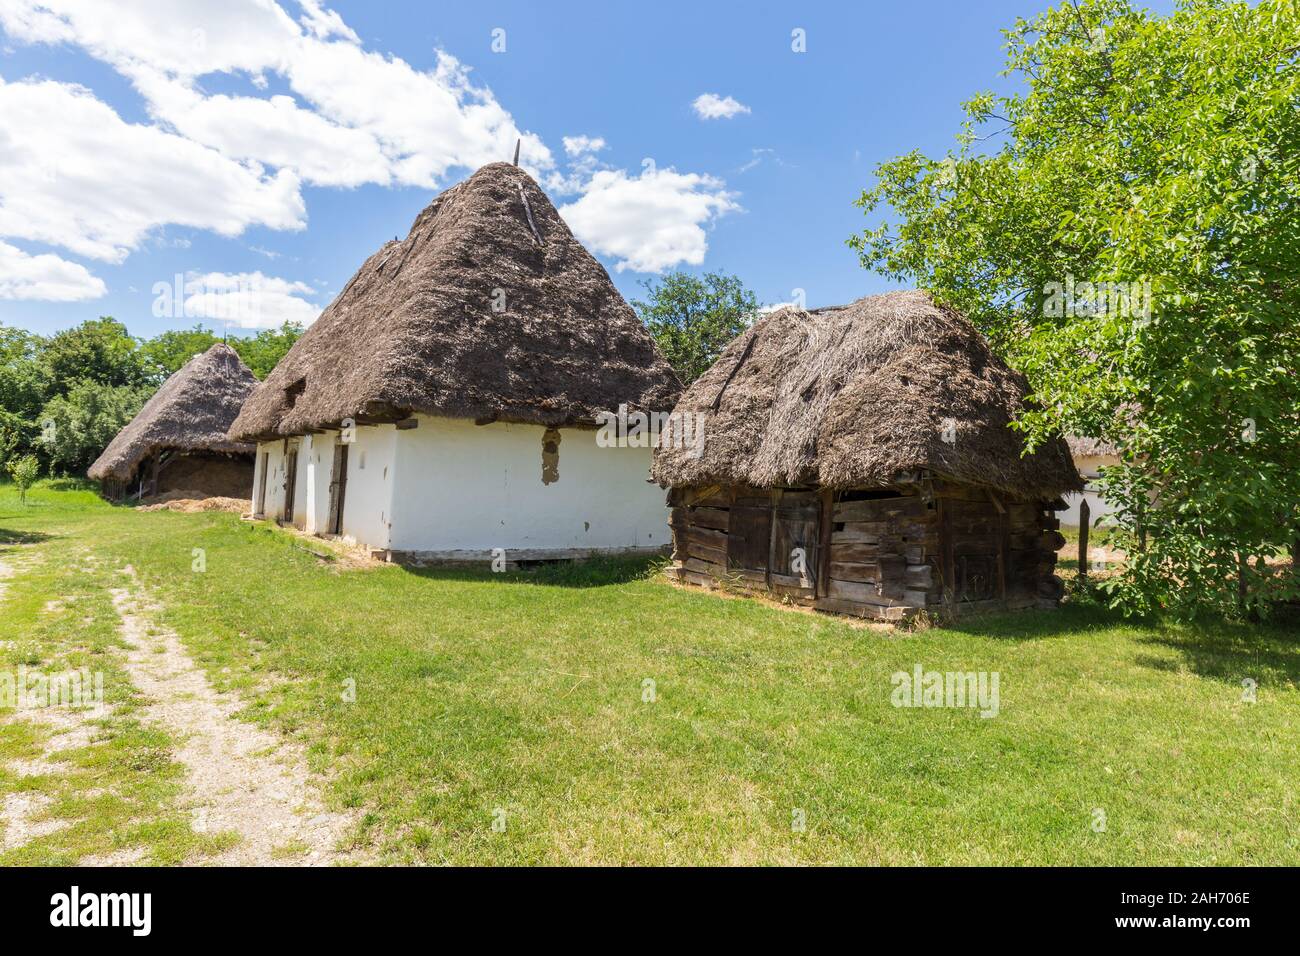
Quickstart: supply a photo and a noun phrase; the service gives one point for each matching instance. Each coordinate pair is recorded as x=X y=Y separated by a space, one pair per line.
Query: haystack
x=861 y=458
x=179 y=438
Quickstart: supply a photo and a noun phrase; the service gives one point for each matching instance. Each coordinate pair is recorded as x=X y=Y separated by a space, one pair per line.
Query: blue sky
x=175 y=159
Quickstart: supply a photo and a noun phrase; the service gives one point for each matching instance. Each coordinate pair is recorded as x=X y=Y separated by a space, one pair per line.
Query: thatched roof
x=190 y=412
x=415 y=330
x=861 y=395
x=1082 y=447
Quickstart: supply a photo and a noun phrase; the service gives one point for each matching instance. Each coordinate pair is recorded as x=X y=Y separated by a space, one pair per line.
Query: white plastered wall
x=316 y=459
x=368 y=497
x=466 y=487
x=1090 y=468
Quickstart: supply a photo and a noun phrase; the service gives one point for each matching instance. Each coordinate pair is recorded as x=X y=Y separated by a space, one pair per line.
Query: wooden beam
x=1085 y=516
x=771 y=535
x=824 y=531
x=947 y=573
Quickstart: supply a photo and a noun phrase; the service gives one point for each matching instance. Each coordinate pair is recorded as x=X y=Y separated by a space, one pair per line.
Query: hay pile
x=195 y=501
x=860 y=396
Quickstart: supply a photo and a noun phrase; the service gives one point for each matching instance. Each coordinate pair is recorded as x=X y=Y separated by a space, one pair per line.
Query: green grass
x=520 y=697
x=120 y=792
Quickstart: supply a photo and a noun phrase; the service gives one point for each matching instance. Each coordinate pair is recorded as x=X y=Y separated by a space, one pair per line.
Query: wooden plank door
x=796 y=532
x=290 y=483
x=749 y=533
x=338 y=488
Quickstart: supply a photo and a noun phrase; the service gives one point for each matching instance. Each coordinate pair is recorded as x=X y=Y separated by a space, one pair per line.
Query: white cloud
x=45 y=277
x=649 y=223
x=224 y=162
x=357 y=117
x=74 y=174
x=274 y=131
x=248 y=300
x=323 y=24
x=182 y=37
x=757 y=155
x=713 y=106
x=577 y=145
x=425 y=122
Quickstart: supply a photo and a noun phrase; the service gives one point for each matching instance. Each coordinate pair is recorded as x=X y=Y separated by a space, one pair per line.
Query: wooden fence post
x=1085 y=513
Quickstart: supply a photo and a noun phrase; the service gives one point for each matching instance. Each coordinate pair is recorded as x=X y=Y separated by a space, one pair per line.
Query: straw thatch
x=861 y=396
x=1083 y=447
x=190 y=412
x=415 y=330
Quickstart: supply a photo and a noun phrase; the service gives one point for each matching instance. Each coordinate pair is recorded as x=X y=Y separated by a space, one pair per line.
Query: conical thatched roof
x=489 y=309
x=862 y=395
x=191 y=411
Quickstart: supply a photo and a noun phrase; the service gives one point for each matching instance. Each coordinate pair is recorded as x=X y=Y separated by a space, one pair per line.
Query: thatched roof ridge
x=1084 y=447
x=191 y=412
x=489 y=309
x=859 y=396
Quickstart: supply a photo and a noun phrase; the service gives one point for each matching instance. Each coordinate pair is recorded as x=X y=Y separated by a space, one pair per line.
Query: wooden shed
x=860 y=460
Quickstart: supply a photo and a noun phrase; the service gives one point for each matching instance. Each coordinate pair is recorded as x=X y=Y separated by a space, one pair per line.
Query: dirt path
x=241 y=777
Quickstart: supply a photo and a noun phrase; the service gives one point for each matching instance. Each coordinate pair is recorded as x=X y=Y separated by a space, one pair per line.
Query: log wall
x=877 y=553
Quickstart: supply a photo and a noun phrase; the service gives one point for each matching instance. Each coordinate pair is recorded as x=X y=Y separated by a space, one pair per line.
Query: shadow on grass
x=1071 y=620
x=70 y=484
x=1229 y=652
x=592 y=573
x=9 y=536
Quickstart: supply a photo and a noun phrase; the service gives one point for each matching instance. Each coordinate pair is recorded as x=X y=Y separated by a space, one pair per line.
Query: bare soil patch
x=242 y=778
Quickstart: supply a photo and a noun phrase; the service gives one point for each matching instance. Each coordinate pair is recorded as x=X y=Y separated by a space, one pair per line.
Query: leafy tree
x=23 y=471
x=99 y=350
x=166 y=353
x=23 y=384
x=83 y=422
x=264 y=350
x=1144 y=153
x=692 y=318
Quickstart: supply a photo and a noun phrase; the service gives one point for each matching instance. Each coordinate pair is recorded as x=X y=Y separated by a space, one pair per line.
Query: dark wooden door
x=290 y=483
x=261 y=486
x=749 y=533
x=795 y=536
x=975 y=550
x=338 y=488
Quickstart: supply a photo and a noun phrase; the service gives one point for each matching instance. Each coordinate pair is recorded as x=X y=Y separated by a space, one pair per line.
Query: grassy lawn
x=522 y=699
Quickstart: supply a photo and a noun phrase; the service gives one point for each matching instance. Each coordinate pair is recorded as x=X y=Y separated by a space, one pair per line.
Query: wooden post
x=1241 y=580
x=947 y=571
x=771 y=538
x=1085 y=516
x=825 y=531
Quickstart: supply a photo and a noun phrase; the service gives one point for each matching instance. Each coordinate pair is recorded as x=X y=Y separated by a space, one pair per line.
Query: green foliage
x=167 y=352
x=23 y=383
x=77 y=427
x=99 y=350
x=23 y=471
x=692 y=318
x=64 y=397
x=263 y=351
x=1161 y=155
